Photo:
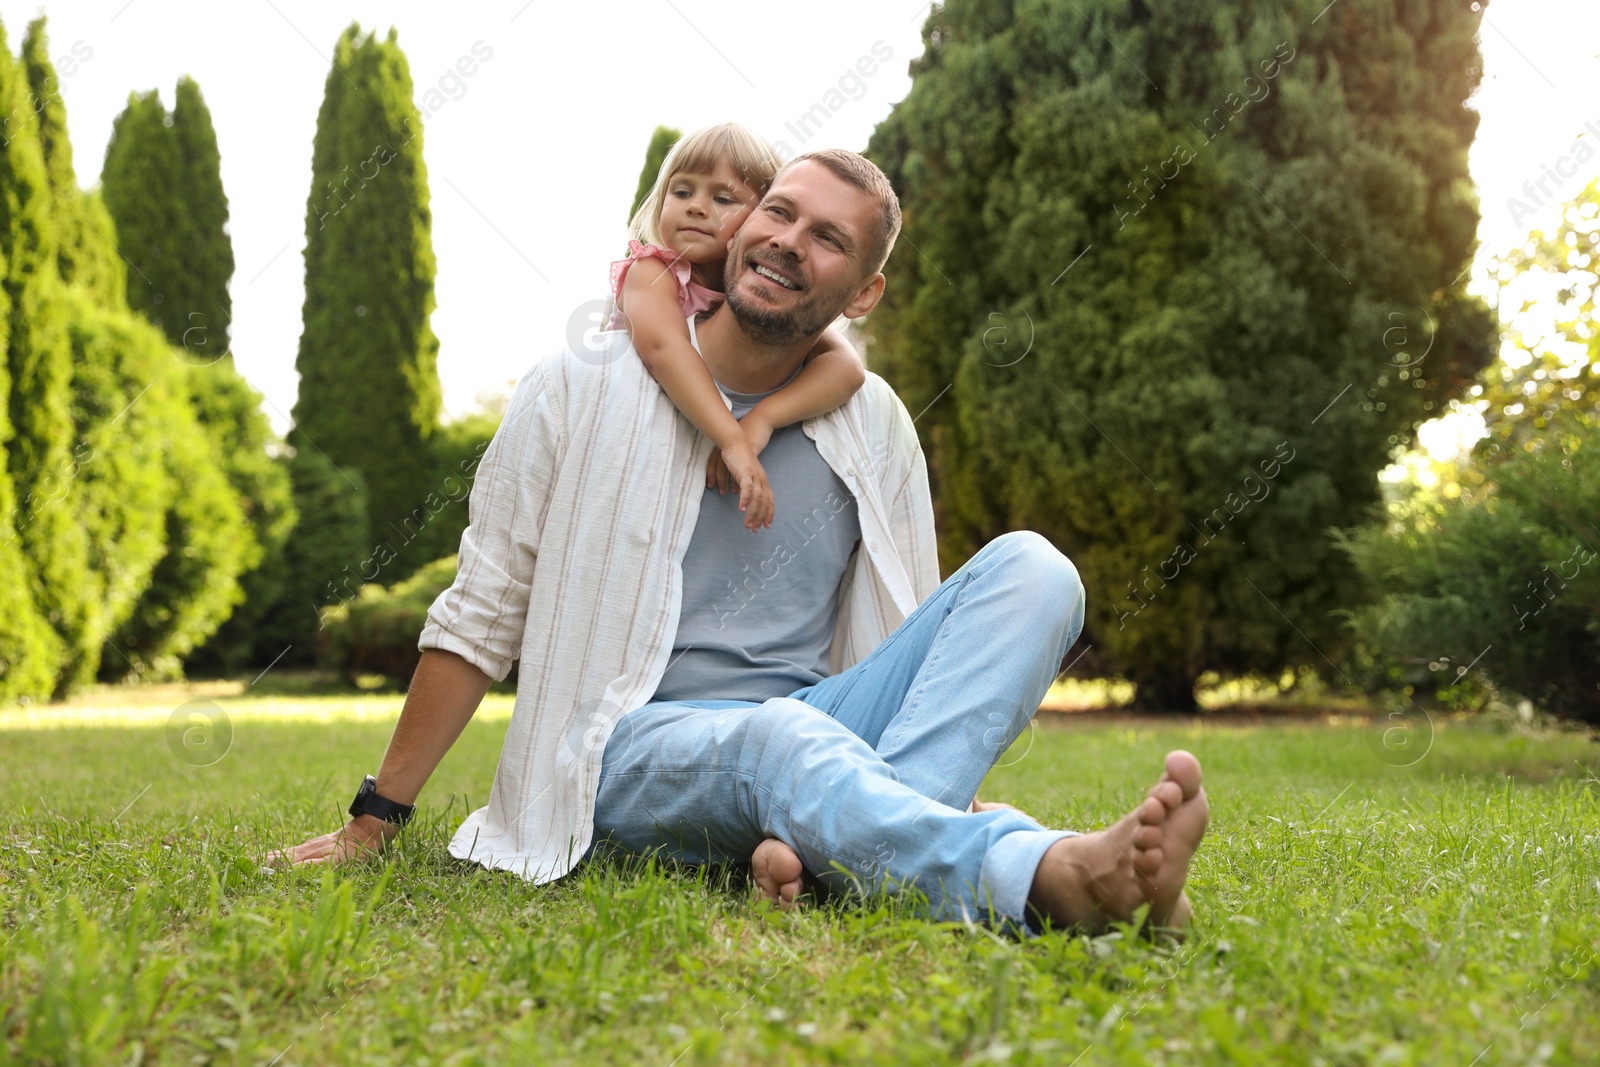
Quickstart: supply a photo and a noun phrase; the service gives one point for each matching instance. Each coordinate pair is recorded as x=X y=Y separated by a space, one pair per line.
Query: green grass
x=1349 y=912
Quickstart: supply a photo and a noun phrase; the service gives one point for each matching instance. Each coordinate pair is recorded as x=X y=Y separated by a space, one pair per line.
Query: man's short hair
x=860 y=172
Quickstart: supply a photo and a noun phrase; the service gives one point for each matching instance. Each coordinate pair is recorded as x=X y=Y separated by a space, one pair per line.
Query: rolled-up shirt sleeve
x=482 y=615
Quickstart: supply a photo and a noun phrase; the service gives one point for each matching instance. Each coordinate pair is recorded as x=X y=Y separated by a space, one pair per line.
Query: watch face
x=369 y=787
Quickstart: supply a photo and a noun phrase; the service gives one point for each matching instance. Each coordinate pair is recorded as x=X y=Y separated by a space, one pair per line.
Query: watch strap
x=369 y=802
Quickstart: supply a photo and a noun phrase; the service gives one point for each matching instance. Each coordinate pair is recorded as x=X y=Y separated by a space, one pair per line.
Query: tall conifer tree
x=86 y=253
x=117 y=515
x=661 y=142
x=163 y=185
x=369 y=388
x=140 y=166
x=207 y=250
x=40 y=360
x=163 y=179
x=31 y=651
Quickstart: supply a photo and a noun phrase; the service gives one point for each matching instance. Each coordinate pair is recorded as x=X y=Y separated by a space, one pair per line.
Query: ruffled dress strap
x=693 y=297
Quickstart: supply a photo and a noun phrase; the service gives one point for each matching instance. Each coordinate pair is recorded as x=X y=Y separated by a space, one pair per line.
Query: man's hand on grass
x=360 y=838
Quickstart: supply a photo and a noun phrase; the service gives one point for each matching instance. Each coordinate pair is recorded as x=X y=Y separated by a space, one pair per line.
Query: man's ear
x=866 y=298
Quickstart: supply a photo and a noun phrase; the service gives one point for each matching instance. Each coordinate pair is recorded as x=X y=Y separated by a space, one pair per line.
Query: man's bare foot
x=1096 y=879
x=776 y=870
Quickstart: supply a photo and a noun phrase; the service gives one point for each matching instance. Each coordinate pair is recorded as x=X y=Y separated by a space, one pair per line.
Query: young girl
x=710 y=181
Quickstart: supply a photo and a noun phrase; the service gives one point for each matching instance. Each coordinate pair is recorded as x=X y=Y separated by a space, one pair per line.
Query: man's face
x=799 y=260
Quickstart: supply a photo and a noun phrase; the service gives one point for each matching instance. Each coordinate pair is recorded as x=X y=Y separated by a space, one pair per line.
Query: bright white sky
x=533 y=165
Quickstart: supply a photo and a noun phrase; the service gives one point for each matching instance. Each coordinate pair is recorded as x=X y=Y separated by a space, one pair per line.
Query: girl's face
x=700 y=213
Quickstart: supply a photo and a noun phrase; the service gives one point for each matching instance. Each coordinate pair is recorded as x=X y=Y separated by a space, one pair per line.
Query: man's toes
x=1152 y=812
x=1147 y=861
x=1147 y=836
x=790 y=883
x=1184 y=769
x=1170 y=793
x=777 y=871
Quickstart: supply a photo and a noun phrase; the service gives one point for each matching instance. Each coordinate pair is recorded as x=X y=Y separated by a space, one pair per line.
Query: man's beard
x=813 y=314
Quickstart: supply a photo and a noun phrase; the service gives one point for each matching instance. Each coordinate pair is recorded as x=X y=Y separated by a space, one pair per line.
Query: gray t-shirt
x=759 y=608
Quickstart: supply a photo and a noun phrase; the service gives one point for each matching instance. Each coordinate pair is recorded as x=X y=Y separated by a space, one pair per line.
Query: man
x=671 y=694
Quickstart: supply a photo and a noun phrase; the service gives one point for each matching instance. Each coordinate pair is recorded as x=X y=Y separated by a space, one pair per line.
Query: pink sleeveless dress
x=693 y=297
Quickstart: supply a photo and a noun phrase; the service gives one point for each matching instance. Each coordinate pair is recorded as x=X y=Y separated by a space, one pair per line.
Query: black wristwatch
x=368 y=802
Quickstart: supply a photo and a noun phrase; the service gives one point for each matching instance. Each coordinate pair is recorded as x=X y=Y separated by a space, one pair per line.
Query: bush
x=121 y=492
x=209 y=544
x=377 y=631
x=1503 y=579
x=30 y=650
x=230 y=413
x=319 y=558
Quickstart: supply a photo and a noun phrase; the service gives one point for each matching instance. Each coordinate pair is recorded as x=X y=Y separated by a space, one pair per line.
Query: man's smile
x=775 y=276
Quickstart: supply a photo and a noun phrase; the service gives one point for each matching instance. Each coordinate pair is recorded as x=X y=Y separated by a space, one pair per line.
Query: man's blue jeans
x=873 y=768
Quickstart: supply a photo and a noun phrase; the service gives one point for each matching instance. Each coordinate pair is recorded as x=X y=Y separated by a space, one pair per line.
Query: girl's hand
x=717 y=476
x=757 y=430
x=755 y=495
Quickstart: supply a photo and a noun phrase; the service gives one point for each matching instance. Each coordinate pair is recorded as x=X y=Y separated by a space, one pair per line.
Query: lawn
x=1432 y=903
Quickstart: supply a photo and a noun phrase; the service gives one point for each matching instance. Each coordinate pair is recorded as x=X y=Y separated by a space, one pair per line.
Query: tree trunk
x=1170 y=692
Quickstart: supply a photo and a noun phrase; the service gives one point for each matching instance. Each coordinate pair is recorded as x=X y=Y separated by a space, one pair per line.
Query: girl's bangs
x=752 y=158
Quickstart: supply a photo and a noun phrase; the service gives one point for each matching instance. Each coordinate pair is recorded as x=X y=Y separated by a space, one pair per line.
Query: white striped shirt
x=580 y=515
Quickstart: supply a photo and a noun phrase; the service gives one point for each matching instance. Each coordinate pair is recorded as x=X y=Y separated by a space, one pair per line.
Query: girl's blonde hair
x=751 y=157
